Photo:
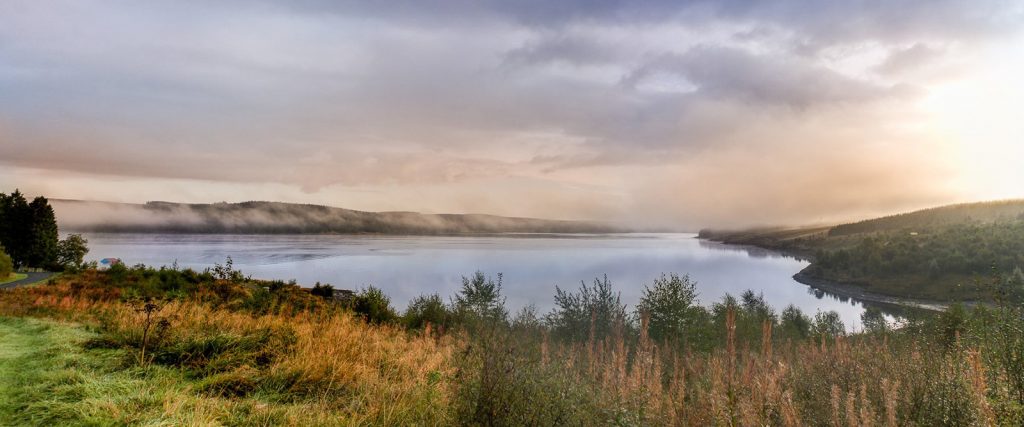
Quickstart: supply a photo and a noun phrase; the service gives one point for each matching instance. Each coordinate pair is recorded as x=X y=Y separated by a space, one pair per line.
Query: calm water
x=405 y=267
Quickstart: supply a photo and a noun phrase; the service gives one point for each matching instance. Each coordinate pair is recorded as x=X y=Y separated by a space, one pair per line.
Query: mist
x=282 y=218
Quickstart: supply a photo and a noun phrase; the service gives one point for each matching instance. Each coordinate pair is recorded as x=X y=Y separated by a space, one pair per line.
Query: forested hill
x=959 y=252
x=967 y=213
x=287 y=218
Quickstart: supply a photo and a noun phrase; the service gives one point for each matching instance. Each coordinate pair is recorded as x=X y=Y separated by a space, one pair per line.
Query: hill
x=943 y=253
x=288 y=218
x=984 y=212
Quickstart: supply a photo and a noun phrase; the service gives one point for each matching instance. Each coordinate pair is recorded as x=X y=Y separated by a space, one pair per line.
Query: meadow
x=164 y=346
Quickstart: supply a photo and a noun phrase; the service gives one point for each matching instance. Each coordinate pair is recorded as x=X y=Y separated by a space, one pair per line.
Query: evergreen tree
x=28 y=231
x=42 y=250
x=5 y=202
x=16 y=224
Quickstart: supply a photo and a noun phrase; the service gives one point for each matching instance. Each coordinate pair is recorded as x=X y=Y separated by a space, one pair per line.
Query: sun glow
x=980 y=118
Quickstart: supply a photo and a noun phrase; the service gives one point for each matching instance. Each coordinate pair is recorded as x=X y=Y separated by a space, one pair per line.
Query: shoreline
x=858 y=293
x=839 y=289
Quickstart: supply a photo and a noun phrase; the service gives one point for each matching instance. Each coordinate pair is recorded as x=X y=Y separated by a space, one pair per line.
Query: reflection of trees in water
x=751 y=251
x=896 y=311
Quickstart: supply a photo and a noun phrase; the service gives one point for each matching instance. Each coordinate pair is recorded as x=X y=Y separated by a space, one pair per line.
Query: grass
x=213 y=367
x=48 y=378
x=70 y=354
x=13 y=277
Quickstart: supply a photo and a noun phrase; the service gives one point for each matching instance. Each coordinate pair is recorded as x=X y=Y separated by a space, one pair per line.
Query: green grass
x=13 y=277
x=47 y=377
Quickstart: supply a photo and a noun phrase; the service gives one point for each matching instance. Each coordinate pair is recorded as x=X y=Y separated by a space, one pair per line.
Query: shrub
x=827 y=325
x=590 y=310
x=325 y=291
x=669 y=305
x=6 y=265
x=794 y=323
x=373 y=306
x=952 y=323
x=427 y=309
x=480 y=301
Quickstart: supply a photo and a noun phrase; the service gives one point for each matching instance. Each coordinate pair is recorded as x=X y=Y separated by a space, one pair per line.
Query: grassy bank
x=51 y=373
x=210 y=365
x=49 y=377
x=144 y=346
x=13 y=277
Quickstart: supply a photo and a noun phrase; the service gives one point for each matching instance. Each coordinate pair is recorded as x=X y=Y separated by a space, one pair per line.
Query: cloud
x=902 y=60
x=734 y=73
x=569 y=99
x=572 y=50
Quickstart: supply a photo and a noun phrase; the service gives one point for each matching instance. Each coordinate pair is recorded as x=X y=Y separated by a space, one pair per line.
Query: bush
x=374 y=306
x=427 y=309
x=6 y=265
x=325 y=291
x=794 y=323
x=827 y=325
x=480 y=301
x=593 y=309
x=669 y=304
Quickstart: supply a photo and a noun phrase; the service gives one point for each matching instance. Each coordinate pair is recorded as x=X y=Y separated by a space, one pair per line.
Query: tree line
x=937 y=258
x=30 y=237
x=668 y=311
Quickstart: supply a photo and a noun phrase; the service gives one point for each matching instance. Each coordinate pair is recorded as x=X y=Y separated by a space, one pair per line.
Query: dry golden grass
x=326 y=367
x=334 y=370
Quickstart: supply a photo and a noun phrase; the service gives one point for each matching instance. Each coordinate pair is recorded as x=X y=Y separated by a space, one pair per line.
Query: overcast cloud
x=702 y=113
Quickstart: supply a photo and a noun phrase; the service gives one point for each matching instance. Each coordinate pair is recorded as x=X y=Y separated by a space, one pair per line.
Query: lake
x=407 y=266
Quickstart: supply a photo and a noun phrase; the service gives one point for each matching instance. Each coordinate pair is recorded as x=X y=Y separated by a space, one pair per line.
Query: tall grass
x=313 y=363
x=345 y=370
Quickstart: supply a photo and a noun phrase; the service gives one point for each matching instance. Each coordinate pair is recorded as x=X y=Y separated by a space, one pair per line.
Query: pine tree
x=43 y=243
x=28 y=231
x=5 y=221
x=15 y=228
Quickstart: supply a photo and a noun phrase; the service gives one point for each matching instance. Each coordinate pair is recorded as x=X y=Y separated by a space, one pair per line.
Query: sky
x=686 y=114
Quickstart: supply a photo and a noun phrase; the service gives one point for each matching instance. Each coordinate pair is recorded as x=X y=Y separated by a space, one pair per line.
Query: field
x=144 y=346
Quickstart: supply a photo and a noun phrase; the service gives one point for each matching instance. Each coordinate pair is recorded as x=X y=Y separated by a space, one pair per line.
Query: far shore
x=846 y=290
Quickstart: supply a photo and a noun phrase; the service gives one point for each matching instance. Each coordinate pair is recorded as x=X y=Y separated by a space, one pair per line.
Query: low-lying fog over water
x=407 y=266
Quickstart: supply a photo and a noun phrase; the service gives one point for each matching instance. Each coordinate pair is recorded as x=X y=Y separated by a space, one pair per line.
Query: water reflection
x=751 y=251
x=533 y=266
